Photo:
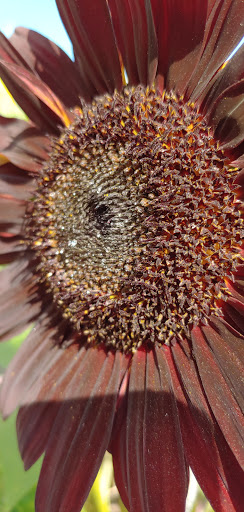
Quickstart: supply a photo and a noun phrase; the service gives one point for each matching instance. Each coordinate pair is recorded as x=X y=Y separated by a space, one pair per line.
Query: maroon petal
x=44 y=399
x=80 y=434
x=32 y=358
x=207 y=452
x=15 y=182
x=34 y=97
x=232 y=338
x=148 y=449
x=222 y=402
x=228 y=353
x=239 y=162
x=50 y=63
x=224 y=30
x=227 y=116
x=23 y=144
x=136 y=38
x=230 y=73
x=234 y=313
x=10 y=249
x=12 y=210
x=31 y=105
x=180 y=28
x=91 y=32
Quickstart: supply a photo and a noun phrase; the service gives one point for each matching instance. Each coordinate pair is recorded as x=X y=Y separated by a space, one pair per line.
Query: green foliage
x=15 y=483
x=26 y=504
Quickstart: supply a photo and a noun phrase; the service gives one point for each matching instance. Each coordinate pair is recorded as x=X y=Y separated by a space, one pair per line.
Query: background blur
x=17 y=488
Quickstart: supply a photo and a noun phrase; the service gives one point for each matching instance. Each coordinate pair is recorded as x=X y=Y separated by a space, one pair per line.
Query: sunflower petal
x=35 y=109
x=207 y=452
x=227 y=116
x=84 y=424
x=23 y=144
x=221 y=400
x=50 y=63
x=231 y=72
x=10 y=248
x=32 y=357
x=228 y=360
x=15 y=181
x=136 y=37
x=39 y=89
x=44 y=399
x=148 y=451
x=234 y=312
x=180 y=28
x=224 y=30
x=90 y=29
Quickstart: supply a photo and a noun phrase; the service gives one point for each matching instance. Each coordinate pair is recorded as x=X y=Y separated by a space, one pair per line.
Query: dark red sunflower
x=121 y=220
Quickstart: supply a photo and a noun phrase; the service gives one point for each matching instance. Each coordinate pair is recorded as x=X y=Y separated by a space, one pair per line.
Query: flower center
x=136 y=221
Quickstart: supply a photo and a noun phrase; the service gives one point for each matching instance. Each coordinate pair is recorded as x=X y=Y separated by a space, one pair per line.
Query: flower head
x=122 y=220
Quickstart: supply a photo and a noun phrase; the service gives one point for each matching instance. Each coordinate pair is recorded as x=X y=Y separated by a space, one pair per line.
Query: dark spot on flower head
x=136 y=222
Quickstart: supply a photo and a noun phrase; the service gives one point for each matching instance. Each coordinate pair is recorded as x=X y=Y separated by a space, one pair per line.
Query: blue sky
x=40 y=15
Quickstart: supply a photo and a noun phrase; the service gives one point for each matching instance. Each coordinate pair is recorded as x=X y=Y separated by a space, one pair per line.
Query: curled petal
x=40 y=90
x=227 y=116
x=50 y=63
x=23 y=144
x=223 y=32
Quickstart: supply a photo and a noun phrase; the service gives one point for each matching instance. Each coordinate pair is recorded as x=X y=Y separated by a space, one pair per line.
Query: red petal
x=148 y=450
x=44 y=399
x=234 y=313
x=12 y=210
x=229 y=356
x=23 y=144
x=227 y=116
x=39 y=89
x=136 y=38
x=19 y=301
x=180 y=29
x=224 y=30
x=233 y=339
x=31 y=359
x=80 y=434
x=229 y=74
x=207 y=452
x=90 y=29
x=222 y=402
x=10 y=249
x=32 y=106
x=15 y=182
x=50 y=63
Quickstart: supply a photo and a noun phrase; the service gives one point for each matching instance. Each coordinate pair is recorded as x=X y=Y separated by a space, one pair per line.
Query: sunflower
x=121 y=223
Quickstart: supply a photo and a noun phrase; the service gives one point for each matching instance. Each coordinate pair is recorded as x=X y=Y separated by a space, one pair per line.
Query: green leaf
x=27 y=503
x=15 y=483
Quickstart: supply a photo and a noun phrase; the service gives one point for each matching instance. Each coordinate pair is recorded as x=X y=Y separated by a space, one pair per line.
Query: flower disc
x=136 y=221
